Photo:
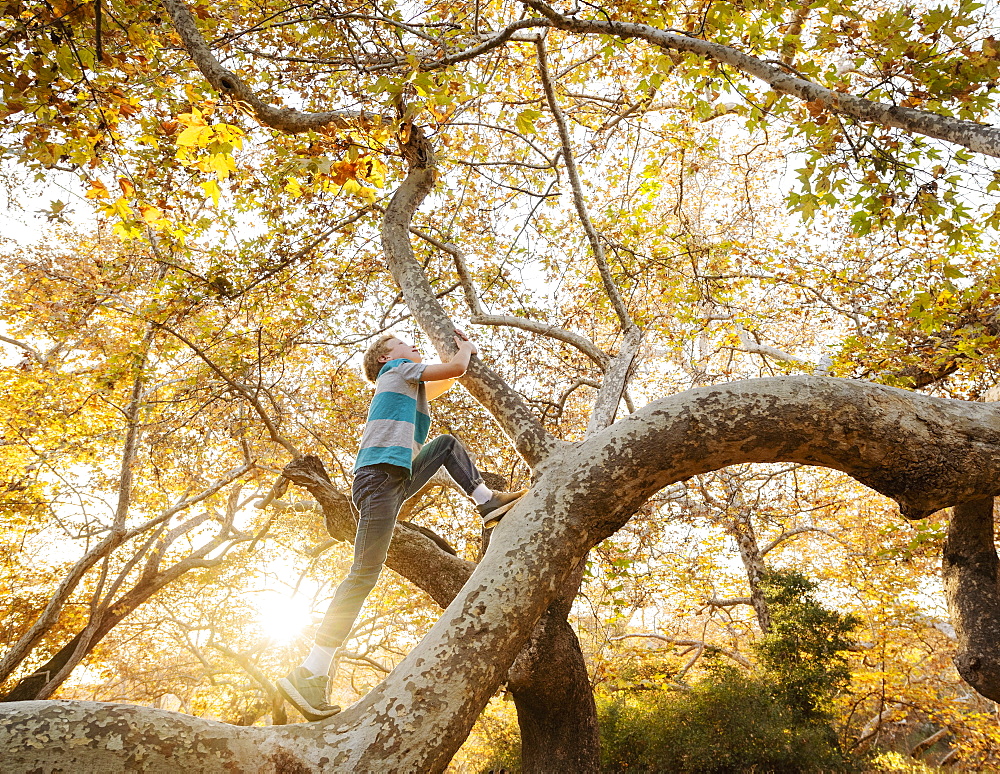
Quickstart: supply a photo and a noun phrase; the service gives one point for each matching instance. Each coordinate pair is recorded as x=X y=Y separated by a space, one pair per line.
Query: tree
x=582 y=491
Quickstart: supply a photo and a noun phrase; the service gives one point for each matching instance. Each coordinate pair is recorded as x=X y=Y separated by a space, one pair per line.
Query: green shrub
x=501 y=741
x=728 y=722
x=803 y=653
x=771 y=720
x=731 y=721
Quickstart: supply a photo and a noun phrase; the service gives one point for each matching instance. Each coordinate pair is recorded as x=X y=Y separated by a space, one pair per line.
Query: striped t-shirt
x=398 y=418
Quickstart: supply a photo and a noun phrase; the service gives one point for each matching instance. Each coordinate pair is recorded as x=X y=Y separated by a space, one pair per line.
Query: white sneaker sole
x=287 y=689
x=489 y=522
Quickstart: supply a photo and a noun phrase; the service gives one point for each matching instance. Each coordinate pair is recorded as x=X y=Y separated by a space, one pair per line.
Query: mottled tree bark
x=926 y=453
x=972 y=587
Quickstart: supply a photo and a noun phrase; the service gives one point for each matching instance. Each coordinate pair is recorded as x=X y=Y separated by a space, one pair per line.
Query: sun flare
x=282 y=618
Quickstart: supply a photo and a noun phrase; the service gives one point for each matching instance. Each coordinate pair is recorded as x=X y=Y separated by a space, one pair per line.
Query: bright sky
x=20 y=219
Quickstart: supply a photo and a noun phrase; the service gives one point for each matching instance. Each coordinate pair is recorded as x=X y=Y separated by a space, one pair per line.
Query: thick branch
x=728 y=601
x=615 y=380
x=969 y=134
x=229 y=83
x=530 y=439
x=927 y=453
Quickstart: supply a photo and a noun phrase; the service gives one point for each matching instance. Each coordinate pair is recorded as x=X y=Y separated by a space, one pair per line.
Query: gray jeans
x=379 y=492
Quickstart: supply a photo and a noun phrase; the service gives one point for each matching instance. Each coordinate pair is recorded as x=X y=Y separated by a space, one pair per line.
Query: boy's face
x=396 y=348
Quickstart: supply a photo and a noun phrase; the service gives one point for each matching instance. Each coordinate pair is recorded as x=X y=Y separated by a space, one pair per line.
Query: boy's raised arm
x=454 y=367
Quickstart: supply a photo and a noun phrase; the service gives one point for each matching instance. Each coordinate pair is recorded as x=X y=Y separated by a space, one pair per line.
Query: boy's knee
x=365 y=577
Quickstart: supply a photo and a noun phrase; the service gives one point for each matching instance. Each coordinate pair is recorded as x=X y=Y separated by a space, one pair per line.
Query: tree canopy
x=722 y=258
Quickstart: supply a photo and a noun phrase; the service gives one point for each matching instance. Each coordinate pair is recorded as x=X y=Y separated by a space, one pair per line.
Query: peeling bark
x=927 y=453
x=615 y=382
x=83 y=736
x=972 y=587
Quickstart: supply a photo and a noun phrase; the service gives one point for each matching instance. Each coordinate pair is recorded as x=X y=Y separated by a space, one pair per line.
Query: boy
x=392 y=465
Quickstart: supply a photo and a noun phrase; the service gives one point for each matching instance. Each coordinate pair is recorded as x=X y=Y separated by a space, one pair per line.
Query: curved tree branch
x=969 y=134
x=529 y=436
x=229 y=83
x=413 y=553
x=507 y=33
x=31 y=351
x=927 y=453
x=481 y=317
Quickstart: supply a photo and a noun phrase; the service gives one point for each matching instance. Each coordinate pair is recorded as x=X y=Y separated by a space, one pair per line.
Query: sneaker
x=497 y=507
x=307 y=693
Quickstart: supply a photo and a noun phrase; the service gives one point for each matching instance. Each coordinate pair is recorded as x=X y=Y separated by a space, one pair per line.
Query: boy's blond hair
x=370 y=364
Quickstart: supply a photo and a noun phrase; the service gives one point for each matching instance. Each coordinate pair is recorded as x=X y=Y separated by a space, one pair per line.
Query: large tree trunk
x=555 y=703
x=972 y=587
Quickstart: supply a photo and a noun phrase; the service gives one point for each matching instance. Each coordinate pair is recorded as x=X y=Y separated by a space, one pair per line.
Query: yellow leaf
x=212 y=189
x=196 y=136
x=97 y=190
x=293 y=187
x=119 y=208
x=150 y=214
x=192 y=119
x=222 y=164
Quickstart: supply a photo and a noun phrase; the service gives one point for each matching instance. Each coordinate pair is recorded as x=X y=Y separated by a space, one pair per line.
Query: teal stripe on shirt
x=421 y=427
x=393 y=405
x=399 y=416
